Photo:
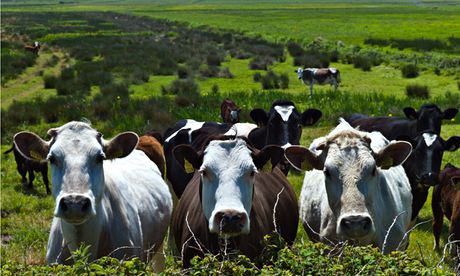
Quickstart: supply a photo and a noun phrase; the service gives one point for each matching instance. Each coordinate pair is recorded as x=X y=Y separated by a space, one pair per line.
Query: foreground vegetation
x=124 y=72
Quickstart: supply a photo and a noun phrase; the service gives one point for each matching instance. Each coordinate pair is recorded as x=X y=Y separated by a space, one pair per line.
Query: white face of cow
x=227 y=175
x=351 y=177
x=300 y=73
x=76 y=154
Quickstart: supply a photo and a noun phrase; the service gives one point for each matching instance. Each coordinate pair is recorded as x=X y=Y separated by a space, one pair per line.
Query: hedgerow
x=304 y=258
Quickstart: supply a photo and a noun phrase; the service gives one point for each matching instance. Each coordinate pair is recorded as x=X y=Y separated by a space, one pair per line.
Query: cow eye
x=253 y=173
x=326 y=172
x=52 y=159
x=100 y=158
x=204 y=173
x=374 y=170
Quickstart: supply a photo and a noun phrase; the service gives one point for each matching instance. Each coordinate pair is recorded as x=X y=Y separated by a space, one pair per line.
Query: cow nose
x=429 y=179
x=230 y=221
x=356 y=226
x=74 y=208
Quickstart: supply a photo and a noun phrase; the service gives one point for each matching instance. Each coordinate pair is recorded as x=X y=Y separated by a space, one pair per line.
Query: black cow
x=423 y=132
x=25 y=166
x=321 y=76
x=281 y=126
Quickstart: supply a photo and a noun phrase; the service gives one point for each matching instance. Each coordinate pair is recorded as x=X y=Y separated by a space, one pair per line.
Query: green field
x=115 y=64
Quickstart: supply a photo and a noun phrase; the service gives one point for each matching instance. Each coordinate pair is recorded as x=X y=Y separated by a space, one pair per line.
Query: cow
x=229 y=112
x=151 y=144
x=422 y=131
x=354 y=188
x=107 y=194
x=33 y=48
x=24 y=166
x=446 y=202
x=427 y=119
x=281 y=125
x=320 y=76
x=236 y=196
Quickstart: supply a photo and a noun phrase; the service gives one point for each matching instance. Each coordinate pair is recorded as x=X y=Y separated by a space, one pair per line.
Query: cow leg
x=44 y=172
x=437 y=215
x=158 y=259
x=454 y=229
x=311 y=89
x=21 y=168
x=31 y=177
x=57 y=251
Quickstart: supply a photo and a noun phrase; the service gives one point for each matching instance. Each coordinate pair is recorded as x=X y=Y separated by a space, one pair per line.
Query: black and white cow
x=423 y=132
x=320 y=76
x=281 y=126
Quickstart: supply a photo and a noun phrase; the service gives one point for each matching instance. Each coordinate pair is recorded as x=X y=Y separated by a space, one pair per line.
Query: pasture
x=121 y=67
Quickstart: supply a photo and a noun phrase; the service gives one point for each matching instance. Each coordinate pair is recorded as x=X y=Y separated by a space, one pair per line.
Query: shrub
x=67 y=73
x=209 y=71
x=363 y=62
x=257 y=77
x=215 y=89
x=260 y=63
x=49 y=80
x=417 y=91
x=309 y=60
x=225 y=73
x=182 y=72
x=409 y=71
x=284 y=81
x=294 y=49
x=270 y=81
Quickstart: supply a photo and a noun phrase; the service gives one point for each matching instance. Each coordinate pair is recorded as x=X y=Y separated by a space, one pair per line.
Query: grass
x=381 y=91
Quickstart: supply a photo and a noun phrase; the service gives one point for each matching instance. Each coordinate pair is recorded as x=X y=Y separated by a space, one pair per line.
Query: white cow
x=354 y=188
x=108 y=195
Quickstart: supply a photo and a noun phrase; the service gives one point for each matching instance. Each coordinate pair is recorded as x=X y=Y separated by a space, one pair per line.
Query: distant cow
x=230 y=112
x=108 y=195
x=281 y=125
x=321 y=76
x=232 y=199
x=24 y=166
x=446 y=202
x=354 y=188
x=33 y=48
x=424 y=163
x=151 y=145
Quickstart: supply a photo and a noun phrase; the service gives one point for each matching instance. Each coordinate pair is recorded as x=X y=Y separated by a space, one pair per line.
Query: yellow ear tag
x=35 y=155
x=386 y=163
x=305 y=166
x=118 y=153
x=188 y=167
x=267 y=167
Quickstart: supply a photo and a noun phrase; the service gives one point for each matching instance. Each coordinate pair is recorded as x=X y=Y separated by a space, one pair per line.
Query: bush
x=67 y=73
x=294 y=49
x=257 y=77
x=284 y=81
x=362 y=62
x=270 y=81
x=182 y=72
x=209 y=71
x=215 y=89
x=49 y=80
x=225 y=73
x=260 y=63
x=409 y=71
x=417 y=91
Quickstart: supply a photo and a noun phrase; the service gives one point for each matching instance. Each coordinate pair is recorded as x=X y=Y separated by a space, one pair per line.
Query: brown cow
x=151 y=144
x=446 y=201
x=232 y=201
x=229 y=112
x=33 y=48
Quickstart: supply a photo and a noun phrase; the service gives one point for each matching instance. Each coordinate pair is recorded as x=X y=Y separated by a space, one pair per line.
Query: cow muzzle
x=230 y=222
x=429 y=179
x=355 y=227
x=74 y=209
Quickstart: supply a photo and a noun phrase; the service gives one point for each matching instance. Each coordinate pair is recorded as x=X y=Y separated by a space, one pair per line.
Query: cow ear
x=393 y=154
x=411 y=113
x=270 y=152
x=31 y=146
x=449 y=113
x=311 y=116
x=187 y=158
x=302 y=158
x=259 y=116
x=452 y=144
x=121 y=145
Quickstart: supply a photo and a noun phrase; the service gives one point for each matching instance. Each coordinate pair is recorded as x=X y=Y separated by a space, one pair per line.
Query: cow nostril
x=63 y=205
x=86 y=203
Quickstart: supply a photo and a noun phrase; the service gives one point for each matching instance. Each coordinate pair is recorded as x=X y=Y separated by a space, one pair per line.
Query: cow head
x=352 y=174
x=76 y=153
x=228 y=170
x=299 y=72
x=429 y=117
x=424 y=163
x=283 y=123
x=230 y=112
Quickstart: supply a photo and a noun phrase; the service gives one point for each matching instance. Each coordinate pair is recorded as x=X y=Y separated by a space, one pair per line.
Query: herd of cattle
x=225 y=184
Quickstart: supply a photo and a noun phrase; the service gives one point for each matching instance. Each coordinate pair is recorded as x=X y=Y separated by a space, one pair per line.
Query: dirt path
x=30 y=82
